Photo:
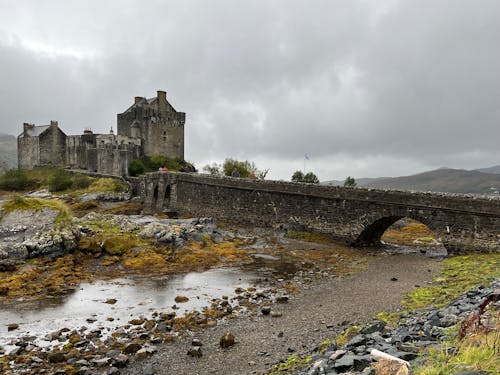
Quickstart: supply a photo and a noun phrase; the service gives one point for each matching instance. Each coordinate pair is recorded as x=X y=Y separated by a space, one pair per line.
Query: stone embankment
x=416 y=331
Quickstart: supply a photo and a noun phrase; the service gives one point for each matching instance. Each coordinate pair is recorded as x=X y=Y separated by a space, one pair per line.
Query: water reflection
x=134 y=297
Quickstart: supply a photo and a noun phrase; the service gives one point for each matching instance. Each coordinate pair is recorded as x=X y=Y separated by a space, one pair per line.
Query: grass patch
x=37 y=204
x=293 y=363
x=477 y=351
x=458 y=274
x=106 y=185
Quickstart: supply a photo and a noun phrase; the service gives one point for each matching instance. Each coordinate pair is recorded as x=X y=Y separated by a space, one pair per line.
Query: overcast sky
x=365 y=88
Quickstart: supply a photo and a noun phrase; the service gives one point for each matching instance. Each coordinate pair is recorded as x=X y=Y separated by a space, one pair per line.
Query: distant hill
x=8 y=150
x=444 y=180
x=494 y=169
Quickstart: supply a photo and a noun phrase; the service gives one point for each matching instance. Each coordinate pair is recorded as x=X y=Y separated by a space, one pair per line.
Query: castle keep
x=148 y=127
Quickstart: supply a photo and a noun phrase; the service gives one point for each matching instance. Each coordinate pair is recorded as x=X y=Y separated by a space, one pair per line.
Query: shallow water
x=135 y=298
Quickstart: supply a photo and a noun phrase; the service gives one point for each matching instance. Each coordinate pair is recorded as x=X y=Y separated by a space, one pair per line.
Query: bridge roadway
x=355 y=216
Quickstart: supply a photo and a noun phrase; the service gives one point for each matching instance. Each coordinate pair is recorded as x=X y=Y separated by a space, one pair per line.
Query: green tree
x=311 y=178
x=298 y=176
x=350 y=182
x=136 y=168
x=243 y=167
x=213 y=168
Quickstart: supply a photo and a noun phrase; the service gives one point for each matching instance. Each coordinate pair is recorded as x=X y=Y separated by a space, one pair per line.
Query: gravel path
x=308 y=319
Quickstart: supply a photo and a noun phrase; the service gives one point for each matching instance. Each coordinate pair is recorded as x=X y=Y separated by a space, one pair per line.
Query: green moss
x=293 y=363
x=324 y=346
x=390 y=318
x=102 y=226
x=348 y=334
x=458 y=274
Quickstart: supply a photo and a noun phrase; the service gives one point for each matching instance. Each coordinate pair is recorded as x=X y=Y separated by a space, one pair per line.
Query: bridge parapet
x=354 y=215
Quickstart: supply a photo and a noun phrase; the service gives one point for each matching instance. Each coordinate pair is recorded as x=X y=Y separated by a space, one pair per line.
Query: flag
x=306 y=156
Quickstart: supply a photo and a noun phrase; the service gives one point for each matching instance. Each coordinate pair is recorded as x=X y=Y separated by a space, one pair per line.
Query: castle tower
x=155 y=121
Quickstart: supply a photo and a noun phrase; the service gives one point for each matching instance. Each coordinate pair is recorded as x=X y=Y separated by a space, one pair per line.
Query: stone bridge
x=352 y=215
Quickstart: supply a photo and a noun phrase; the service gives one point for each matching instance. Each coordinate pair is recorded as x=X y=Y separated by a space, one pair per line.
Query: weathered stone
x=357 y=341
x=227 y=340
x=101 y=362
x=56 y=357
x=344 y=363
x=131 y=348
x=377 y=327
x=215 y=196
x=265 y=310
x=120 y=360
x=196 y=342
x=12 y=326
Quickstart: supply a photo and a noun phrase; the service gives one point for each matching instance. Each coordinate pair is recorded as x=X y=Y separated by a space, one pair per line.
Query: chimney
x=137 y=99
x=162 y=100
x=27 y=127
x=161 y=95
x=53 y=123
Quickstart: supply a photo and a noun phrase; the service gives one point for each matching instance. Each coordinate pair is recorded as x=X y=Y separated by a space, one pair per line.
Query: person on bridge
x=235 y=173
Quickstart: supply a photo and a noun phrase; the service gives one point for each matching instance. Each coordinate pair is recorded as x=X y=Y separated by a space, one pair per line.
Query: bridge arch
x=375 y=226
x=372 y=234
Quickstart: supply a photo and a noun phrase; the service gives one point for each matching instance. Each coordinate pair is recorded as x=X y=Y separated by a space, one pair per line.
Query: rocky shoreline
x=415 y=332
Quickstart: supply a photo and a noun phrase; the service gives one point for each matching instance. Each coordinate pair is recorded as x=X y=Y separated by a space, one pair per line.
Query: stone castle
x=148 y=127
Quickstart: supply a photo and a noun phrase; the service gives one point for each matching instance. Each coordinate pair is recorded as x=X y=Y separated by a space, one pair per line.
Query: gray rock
x=357 y=341
x=84 y=370
x=361 y=362
x=344 y=363
x=148 y=370
x=377 y=327
x=101 y=362
x=195 y=351
x=120 y=360
x=265 y=310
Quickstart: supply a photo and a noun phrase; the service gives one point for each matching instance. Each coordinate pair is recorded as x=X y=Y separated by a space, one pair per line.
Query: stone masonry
x=147 y=127
x=354 y=216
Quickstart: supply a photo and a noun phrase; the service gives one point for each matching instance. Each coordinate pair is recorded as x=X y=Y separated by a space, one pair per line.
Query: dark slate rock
x=344 y=363
x=361 y=362
x=357 y=341
x=377 y=327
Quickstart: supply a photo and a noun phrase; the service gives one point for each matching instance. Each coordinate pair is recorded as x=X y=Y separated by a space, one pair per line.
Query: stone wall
x=28 y=152
x=355 y=216
x=52 y=144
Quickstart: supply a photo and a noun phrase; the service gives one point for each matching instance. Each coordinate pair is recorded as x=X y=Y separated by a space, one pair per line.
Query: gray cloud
x=366 y=90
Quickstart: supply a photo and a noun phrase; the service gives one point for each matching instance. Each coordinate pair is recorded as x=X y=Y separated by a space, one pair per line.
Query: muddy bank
x=307 y=319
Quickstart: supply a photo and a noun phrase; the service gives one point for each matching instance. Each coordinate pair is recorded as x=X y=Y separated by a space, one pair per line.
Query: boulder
x=227 y=340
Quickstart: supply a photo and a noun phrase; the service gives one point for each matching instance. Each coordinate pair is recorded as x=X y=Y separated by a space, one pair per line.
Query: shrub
x=136 y=168
x=16 y=179
x=59 y=181
x=81 y=182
